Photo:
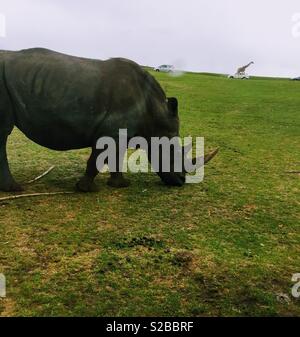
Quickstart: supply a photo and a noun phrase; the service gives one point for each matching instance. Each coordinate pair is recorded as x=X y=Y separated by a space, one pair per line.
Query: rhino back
x=65 y=102
x=52 y=92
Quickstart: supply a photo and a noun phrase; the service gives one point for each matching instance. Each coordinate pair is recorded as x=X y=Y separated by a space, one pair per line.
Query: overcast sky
x=198 y=35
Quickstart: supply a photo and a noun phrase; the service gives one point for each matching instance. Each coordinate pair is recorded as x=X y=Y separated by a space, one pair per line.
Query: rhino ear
x=173 y=106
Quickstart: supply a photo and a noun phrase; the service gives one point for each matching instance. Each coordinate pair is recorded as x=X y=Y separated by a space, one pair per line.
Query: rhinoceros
x=64 y=103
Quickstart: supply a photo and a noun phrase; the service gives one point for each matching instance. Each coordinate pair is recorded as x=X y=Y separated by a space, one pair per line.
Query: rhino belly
x=59 y=128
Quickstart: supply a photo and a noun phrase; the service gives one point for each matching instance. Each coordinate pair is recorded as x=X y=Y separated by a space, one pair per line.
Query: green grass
x=225 y=247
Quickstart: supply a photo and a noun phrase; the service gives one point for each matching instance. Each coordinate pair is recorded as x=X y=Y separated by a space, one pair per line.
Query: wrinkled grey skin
x=63 y=103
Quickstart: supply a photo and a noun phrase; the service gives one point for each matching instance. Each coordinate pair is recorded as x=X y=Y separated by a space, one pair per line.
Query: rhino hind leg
x=86 y=183
x=7 y=182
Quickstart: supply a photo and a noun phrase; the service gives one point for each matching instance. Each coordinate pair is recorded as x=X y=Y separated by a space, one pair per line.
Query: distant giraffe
x=241 y=70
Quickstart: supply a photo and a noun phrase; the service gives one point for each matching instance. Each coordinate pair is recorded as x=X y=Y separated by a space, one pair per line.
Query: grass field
x=227 y=247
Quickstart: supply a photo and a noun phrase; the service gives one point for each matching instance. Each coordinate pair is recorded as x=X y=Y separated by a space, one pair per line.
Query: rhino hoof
x=118 y=183
x=86 y=186
x=12 y=187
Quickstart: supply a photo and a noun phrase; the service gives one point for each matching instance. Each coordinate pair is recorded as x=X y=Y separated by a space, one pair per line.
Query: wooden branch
x=12 y=197
x=40 y=176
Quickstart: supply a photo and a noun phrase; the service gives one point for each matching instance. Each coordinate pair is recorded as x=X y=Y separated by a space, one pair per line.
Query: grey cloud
x=199 y=35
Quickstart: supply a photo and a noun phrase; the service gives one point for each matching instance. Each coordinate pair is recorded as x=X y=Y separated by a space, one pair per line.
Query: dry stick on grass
x=40 y=176
x=12 y=197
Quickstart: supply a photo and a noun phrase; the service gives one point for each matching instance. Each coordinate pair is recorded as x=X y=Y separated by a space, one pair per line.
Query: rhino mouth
x=181 y=180
x=173 y=179
x=178 y=178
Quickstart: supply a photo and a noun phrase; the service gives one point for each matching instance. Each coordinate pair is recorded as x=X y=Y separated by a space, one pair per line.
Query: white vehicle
x=240 y=76
x=165 y=68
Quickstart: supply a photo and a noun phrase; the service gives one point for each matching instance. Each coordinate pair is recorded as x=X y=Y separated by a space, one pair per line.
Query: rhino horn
x=207 y=158
x=187 y=148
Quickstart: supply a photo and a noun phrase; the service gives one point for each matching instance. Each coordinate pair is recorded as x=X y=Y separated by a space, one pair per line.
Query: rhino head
x=174 y=177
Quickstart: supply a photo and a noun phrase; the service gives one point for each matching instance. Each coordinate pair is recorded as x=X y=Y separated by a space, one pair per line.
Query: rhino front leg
x=117 y=179
x=7 y=182
x=86 y=183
